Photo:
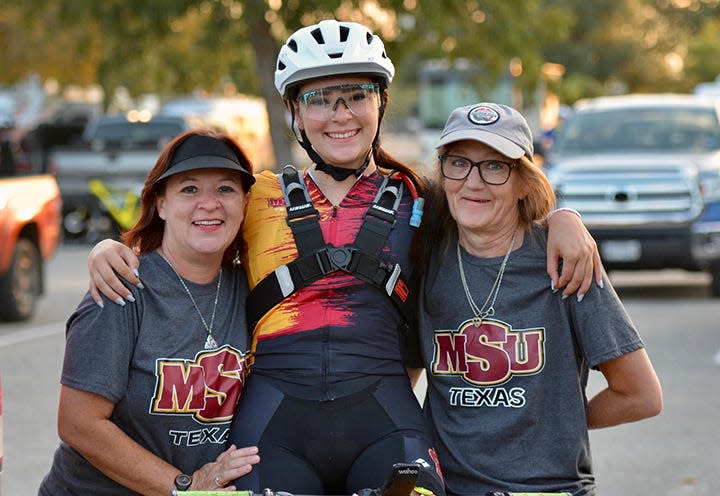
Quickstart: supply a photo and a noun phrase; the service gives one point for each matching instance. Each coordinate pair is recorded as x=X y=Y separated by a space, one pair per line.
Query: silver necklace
x=482 y=313
x=210 y=342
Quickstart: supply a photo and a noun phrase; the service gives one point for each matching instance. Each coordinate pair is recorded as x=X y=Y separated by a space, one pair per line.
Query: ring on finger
x=218 y=481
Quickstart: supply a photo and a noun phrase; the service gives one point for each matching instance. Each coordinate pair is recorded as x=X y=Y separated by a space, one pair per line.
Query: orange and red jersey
x=339 y=333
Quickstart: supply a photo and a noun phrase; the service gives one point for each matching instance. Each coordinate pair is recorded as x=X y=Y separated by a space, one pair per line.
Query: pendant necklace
x=482 y=313
x=210 y=342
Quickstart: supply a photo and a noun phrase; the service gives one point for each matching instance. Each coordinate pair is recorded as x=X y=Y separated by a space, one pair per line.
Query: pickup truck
x=101 y=178
x=30 y=209
x=1 y=437
x=644 y=172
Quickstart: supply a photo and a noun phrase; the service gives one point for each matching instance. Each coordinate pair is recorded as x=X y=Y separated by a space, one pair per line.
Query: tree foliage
x=173 y=47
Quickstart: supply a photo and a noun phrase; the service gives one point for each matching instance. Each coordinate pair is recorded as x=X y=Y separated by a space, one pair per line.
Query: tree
x=266 y=49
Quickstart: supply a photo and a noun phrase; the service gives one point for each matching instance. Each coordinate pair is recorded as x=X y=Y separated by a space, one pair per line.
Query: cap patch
x=483 y=115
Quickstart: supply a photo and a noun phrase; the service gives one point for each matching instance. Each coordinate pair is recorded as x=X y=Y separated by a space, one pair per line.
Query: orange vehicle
x=1 y=437
x=30 y=216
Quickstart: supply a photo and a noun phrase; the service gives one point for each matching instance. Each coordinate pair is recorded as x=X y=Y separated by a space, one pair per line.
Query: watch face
x=183 y=482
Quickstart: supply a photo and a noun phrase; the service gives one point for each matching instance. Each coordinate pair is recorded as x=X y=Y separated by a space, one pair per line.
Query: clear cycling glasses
x=359 y=98
x=457 y=167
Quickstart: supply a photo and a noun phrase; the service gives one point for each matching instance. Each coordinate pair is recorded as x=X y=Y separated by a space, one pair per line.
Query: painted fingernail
x=602 y=284
x=120 y=302
x=564 y=297
x=552 y=286
x=130 y=298
x=100 y=304
x=580 y=297
x=140 y=284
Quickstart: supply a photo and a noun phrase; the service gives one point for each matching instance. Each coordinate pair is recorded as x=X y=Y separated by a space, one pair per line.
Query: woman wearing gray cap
x=507 y=360
x=149 y=390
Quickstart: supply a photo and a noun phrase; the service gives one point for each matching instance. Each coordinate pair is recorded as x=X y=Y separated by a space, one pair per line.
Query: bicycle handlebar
x=283 y=493
x=400 y=482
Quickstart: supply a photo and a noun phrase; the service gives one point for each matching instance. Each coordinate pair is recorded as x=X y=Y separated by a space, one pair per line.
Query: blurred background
x=68 y=61
x=90 y=90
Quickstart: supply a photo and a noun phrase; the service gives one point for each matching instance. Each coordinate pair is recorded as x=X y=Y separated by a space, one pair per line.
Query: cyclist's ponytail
x=385 y=161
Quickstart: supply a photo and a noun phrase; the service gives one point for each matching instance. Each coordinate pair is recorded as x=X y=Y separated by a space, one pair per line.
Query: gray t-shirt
x=507 y=399
x=171 y=395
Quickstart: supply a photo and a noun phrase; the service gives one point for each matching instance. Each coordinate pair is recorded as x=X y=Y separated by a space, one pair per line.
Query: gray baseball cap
x=498 y=126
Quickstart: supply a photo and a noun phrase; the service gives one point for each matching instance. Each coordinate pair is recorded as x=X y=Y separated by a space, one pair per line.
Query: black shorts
x=332 y=447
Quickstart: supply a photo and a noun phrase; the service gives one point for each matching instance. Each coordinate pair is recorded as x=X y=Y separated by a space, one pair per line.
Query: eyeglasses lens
x=359 y=99
x=495 y=172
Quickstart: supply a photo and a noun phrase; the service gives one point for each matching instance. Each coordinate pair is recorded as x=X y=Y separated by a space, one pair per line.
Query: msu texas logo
x=488 y=354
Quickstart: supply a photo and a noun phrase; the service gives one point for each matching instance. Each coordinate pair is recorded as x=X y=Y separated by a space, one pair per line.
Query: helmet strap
x=340 y=173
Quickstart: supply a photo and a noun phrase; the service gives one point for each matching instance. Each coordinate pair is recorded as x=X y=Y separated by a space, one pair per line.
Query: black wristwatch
x=183 y=482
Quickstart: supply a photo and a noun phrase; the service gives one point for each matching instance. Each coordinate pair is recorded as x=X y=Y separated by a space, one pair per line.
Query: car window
x=640 y=130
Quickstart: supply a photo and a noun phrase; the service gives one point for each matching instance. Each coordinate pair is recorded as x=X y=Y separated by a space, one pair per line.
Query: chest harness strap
x=317 y=258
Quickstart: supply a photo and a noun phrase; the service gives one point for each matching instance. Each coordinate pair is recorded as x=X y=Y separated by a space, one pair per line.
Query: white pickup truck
x=100 y=180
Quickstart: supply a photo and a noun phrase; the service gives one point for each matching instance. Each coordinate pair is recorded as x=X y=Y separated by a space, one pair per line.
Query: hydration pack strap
x=317 y=259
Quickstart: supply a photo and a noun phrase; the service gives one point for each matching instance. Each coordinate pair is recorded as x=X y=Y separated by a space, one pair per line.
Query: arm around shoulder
x=106 y=261
x=570 y=241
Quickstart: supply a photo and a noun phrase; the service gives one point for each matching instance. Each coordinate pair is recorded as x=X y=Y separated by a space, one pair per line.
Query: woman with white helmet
x=329 y=402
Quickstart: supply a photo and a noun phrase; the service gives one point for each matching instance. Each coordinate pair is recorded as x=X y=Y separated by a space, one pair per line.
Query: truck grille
x=618 y=195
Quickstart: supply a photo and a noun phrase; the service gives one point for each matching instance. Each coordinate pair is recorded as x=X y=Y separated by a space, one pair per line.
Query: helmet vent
x=292 y=45
x=317 y=34
x=335 y=55
x=344 y=33
x=369 y=37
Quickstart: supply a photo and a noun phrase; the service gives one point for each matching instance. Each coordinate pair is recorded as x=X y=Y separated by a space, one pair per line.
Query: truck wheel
x=20 y=286
x=715 y=283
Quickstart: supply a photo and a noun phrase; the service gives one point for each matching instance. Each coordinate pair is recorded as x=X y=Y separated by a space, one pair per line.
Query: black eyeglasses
x=457 y=168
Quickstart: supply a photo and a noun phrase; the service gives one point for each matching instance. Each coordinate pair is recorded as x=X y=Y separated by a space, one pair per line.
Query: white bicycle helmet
x=331 y=48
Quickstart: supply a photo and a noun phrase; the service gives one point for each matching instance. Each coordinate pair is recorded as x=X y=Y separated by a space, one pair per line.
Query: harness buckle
x=324 y=261
x=341 y=258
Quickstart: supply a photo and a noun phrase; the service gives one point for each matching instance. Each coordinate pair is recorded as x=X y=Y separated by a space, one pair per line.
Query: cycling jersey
x=337 y=335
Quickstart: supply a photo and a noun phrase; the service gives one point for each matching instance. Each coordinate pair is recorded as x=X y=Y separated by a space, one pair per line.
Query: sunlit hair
x=440 y=229
x=147 y=233
x=539 y=198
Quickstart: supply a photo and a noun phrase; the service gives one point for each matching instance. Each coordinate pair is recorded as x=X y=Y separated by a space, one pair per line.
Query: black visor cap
x=205 y=152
